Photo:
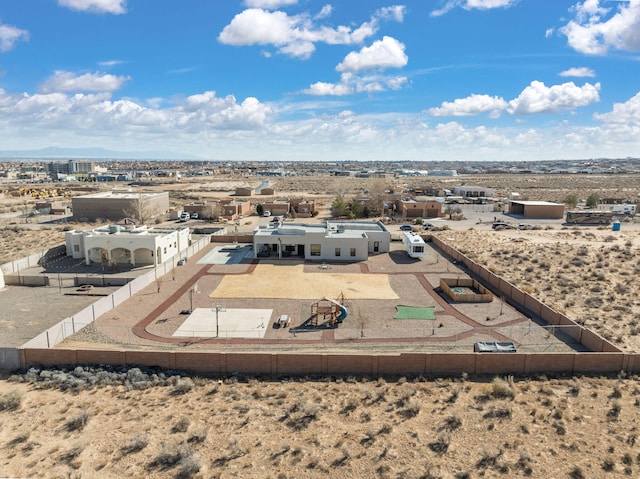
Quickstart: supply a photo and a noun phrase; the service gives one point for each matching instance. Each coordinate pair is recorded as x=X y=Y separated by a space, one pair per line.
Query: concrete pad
x=227 y=254
x=232 y=323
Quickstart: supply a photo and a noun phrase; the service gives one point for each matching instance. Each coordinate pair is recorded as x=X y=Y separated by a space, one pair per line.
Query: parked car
x=406 y=228
x=427 y=226
x=266 y=213
x=194 y=216
x=501 y=225
x=184 y=216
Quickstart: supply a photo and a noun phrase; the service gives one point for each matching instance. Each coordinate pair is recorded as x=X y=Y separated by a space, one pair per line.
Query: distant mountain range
x=93 y=153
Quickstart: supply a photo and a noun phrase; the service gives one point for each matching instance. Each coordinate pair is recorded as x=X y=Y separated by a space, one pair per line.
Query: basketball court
x=230 y=323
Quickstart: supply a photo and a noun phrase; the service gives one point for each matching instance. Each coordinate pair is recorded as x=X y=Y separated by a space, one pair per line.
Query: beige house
x=232 y=210
x=244 y=191
x=126 y=245
x=333 y=241
x=116 y=205
x=303 y=208
x=418 y=208
x=277 y=208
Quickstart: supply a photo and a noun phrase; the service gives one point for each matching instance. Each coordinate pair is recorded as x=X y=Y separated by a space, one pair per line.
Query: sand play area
x=270 y=281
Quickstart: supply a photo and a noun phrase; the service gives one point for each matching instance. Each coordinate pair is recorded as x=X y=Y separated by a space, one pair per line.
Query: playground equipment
x=329 y=311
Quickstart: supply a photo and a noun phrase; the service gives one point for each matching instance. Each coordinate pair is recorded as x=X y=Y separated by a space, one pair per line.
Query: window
x=418 y=249
x=165 y=250
x=315 y=250
x=337 y=251
x=76 y=248
x=353 y=252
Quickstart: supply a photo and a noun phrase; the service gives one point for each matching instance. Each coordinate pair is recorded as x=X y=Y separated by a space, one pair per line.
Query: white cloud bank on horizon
x=535 y=98
x=206 y=125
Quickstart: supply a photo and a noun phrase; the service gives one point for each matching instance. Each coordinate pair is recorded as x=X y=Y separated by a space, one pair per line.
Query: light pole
x=217 y=308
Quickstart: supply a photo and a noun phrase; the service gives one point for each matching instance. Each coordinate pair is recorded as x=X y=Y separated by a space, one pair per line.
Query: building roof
x=536 y=203
x=120 y=194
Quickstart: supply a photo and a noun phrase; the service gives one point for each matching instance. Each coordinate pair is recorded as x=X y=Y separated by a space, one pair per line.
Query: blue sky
x=466 y=80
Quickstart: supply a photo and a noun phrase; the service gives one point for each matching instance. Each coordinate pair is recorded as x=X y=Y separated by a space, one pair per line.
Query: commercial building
x=121 y=245
x=116 y=205
x=473 y=191
x=333 y=241
x=71 y=167
x=537 y=209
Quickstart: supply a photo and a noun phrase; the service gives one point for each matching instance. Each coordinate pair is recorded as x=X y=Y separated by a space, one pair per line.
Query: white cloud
x=111 y=63
x=62 y=81
x=116 y=7
x=535 y=98
x=296 y=35
x=323 y=89
x=578 y=72
x=97 y=115
x=324 y=12
x=472 y=105
x=473 y=4
x=382 y=54
x=538 y=98
x=252 y=130
x=352 y=83
x=627 y=112
x=591 y=32
x=10 y=35
x=271 y=4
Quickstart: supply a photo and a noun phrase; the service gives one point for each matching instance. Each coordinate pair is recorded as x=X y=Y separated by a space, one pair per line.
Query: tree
x=142 y=210
x=593 y=200
x=339 y=207
x=356 y=208
x=259 y=209
x=377 y=192
x=571 y=200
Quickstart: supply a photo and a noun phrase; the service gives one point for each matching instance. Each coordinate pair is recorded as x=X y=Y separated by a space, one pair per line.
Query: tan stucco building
x=116 y=205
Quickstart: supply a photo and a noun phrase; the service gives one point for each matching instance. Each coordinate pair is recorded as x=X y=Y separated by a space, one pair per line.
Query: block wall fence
x=605 y=358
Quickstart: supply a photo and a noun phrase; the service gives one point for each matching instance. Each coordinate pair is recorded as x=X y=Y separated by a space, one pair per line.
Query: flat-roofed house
x=333 y=241
x=135 y=246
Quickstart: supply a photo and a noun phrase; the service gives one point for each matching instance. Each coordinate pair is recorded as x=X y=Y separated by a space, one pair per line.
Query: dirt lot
x=143 y=425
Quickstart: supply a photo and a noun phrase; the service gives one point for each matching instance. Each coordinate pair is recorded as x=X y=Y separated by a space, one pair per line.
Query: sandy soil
x=352 y=428
x=587 y=273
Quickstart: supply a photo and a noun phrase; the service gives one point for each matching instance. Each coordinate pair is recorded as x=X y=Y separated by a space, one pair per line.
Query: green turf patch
x=415 y=312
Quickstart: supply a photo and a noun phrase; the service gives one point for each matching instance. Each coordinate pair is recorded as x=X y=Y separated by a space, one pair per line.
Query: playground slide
x=343 y=314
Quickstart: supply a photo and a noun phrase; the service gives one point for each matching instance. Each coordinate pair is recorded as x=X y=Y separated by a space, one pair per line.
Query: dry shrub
x=502 y=388
x=77 y=422
x=135 y=444
x=11 y=401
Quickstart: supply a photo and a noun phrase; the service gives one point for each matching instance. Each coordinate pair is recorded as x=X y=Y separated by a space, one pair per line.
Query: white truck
x=624 y=209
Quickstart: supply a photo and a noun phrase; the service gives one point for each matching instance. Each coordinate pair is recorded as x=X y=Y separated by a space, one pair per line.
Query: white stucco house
x=116 y=244
x=334 y=241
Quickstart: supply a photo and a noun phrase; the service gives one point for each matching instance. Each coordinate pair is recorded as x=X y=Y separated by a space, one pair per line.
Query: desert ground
x=88 y=423
x=117 y=423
